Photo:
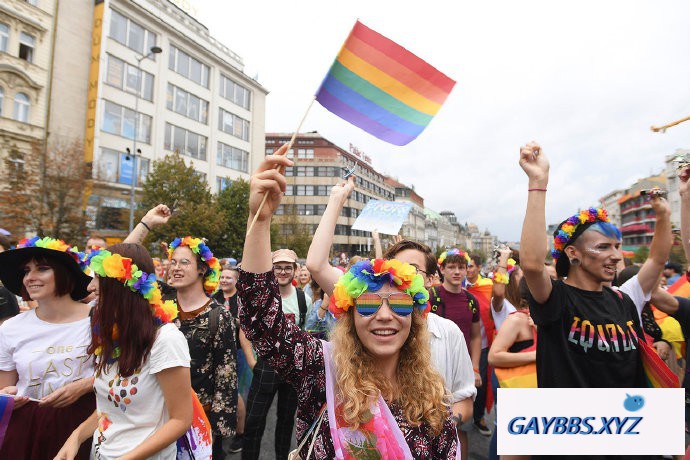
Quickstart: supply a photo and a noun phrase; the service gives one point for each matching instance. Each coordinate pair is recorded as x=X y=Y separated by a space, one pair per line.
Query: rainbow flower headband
x=108 y=265
x=55 y=245
x=570 y=226
x=453 y=252
x=212 y=277
x=370 y=275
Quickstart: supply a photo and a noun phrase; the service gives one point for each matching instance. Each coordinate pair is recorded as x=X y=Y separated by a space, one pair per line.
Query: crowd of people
x=111 y=353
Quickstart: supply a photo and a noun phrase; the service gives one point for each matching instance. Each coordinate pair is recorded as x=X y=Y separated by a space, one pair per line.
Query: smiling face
x=39 y=280
x=284 y=272
x=304 y=276
x=598 y=254
x=384 y=333
x=228 y=278
x=184 y=270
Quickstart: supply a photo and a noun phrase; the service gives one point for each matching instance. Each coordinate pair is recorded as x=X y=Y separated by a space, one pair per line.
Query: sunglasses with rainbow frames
x=368 y=303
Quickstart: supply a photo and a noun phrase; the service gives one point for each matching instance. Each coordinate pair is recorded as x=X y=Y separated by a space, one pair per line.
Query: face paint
x=592 y=250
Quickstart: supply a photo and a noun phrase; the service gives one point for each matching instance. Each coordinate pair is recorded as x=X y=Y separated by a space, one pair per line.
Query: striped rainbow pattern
x=517 y=377
x=368 y=303
x=383 y=88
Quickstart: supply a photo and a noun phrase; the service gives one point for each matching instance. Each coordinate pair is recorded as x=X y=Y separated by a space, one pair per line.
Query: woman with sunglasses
x=142 y=386
x=381 y=396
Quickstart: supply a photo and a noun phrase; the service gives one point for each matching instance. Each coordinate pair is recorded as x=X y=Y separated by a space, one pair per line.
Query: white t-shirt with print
x=131 y=409
x=45 y=355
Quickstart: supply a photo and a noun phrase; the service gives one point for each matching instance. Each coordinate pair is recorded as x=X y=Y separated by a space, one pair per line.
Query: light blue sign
x=383 y=216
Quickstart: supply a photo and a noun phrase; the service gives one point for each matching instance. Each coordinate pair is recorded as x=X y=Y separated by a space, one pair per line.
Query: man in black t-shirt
x=588 y=334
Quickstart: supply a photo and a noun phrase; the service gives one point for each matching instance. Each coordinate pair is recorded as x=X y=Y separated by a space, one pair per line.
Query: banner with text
x=383 y=216
x=591 y=421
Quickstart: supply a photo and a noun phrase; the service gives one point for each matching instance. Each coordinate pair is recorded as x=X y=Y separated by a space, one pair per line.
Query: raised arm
x=498 y=291
x=664 y=301
x=684 y=190
x=532 y=250
x=660 y=247
x=319 y=250
x=156 y=216
x=378 y=249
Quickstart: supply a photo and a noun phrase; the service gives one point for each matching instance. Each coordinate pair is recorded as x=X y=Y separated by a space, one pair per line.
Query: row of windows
x=20 y=110
x=346 y=230
x=235 y=92
x=129 y=78
x=117 y=167
x=314 y=171
x=314 y=210
x=187 y=104
x=307 y=190
x=232 y=157
x=125 y=122
x=184 y=141
x=188 y=67
x=131 y=34
x=232 y=124
x=301 y=153
x=27 y=43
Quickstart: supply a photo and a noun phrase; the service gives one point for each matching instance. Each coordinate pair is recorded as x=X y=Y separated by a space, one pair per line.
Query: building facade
x=26 y=49
x=414 y=228
x=160 y=84
x=671 y=167
x=637 y=216
x=319 y=165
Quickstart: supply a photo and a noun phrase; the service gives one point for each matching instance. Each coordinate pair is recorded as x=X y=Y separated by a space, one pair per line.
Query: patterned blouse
x=214 y=366
x=298 y=359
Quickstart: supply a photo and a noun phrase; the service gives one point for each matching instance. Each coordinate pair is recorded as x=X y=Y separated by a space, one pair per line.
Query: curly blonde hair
x=420 y=392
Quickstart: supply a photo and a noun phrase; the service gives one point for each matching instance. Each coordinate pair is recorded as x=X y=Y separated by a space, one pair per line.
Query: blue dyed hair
x=607 y=229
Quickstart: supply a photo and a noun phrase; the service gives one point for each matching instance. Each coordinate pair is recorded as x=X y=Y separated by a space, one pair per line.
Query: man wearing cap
x=588 y=334
x=266 y=382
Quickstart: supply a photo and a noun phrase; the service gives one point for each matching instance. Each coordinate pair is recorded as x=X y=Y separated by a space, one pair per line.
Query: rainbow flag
x=6 y=406
x=681 y=287
x=383 y=88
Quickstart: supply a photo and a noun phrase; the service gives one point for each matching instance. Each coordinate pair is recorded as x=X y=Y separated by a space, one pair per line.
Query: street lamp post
x=153 y=50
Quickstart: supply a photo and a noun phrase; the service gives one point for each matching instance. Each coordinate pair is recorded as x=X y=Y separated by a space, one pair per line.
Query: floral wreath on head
x=108 y=265
x=370 y=275
x=568 y=228
x=453 y=252
x=55 y=245
x=197 y=245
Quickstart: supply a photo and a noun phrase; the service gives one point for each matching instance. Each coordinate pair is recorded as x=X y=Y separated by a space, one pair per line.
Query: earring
x=574 y=262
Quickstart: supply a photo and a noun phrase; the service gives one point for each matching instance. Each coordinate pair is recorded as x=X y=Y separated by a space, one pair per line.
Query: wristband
x=536 y=189
x=144 y=224
x=476 y=371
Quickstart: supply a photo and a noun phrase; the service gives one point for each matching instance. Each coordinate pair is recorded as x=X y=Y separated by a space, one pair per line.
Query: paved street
x=479 y=445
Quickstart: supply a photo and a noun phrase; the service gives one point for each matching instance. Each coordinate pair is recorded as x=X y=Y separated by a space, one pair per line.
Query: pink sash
x=379 y=437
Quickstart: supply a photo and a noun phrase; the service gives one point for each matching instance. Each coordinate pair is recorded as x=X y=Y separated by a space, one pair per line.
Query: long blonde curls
x=420 y=390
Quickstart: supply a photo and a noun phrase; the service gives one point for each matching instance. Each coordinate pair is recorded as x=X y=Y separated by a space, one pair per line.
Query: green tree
x=292 y=232
x=195 y=212
x=641 y=254
x=234 y=201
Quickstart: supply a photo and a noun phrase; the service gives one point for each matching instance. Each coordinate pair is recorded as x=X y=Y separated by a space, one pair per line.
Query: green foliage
x=234 y=201
x=641 y=254
x=292 y=232
x=197 y=213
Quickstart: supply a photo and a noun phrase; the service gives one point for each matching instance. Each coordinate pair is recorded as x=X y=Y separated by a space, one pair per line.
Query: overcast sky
x=585 y=79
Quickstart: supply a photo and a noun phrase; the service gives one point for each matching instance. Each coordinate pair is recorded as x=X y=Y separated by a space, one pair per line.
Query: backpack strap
x=436 y=302
x=472 y=301
x=302 y=303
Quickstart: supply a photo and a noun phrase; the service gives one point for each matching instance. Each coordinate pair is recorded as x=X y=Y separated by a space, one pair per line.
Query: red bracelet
x=536 y=189
x=476 y=370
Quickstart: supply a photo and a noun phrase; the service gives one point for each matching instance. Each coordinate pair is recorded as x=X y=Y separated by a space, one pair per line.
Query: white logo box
x=589 y=421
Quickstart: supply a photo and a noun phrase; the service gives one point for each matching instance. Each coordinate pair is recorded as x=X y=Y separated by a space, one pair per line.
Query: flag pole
x=292 y=141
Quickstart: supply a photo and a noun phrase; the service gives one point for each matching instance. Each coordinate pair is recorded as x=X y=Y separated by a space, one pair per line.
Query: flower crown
x=570 y=226
x=370 y=275
x=197 y=245
x=108 y=265
x=510 y=265
x=453 y=252
x=55 y=245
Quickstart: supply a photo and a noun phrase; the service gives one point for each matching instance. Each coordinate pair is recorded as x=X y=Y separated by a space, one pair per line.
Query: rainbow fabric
x=383 y=88
x=6 y=407
x=196 y=443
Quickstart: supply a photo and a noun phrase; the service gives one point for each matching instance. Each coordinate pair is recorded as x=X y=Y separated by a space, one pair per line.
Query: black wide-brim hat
x=12 y=274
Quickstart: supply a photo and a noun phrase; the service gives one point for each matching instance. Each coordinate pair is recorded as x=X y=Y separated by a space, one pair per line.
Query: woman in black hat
x=44 y=364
